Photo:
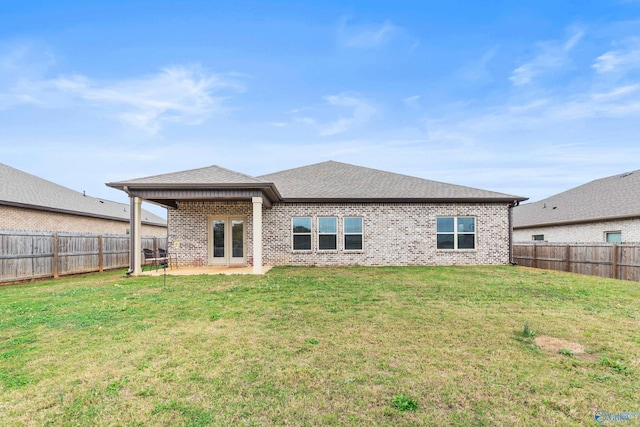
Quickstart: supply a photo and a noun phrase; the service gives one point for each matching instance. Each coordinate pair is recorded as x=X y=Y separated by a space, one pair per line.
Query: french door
x=227 y=241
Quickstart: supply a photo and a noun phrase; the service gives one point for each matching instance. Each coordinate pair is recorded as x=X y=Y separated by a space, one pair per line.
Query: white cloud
x=477 y=70
x=365 y=36
x=178 y=94
x=617 y=92
x=25 y=59
x=412 y=101
x=621 y=60
x=551 y=55
x=22 y=64
x=353 y=112
x=361 y=112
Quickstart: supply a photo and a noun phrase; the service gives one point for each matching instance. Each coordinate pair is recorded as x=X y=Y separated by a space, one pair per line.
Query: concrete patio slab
x=193 y=271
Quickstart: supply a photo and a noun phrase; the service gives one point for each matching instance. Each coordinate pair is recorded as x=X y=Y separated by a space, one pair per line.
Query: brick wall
x=188 y=237
x=583 y=233
x=14 y=218
x=394 y=233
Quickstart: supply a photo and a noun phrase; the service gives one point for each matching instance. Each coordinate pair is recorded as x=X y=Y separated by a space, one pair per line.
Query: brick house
x=604 y=210
x=35 y=204
x=325 y=214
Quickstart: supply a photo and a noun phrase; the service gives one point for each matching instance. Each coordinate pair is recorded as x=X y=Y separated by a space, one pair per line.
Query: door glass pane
x=237 y=238
x=218 y=238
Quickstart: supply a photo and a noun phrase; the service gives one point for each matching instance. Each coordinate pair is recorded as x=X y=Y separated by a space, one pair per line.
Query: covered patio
x=226 y=241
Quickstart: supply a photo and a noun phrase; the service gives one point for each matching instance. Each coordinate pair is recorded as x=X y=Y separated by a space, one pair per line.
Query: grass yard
x=317 y=346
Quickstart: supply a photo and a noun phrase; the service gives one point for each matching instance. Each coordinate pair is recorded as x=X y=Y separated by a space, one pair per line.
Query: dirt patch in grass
x=555 y=345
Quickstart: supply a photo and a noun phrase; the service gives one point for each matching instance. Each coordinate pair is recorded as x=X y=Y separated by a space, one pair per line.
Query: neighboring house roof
x=20 y=189
x=327 y=181
x=614 y=197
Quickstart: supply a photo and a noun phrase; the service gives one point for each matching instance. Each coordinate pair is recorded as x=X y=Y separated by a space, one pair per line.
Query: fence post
x=100 y=255
x=614 y=261
x=55 y=255
x=155 y=247
x=534 y=262
x=567 y=255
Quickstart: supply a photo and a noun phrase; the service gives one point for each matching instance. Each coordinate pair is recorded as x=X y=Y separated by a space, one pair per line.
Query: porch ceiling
x=169 y=196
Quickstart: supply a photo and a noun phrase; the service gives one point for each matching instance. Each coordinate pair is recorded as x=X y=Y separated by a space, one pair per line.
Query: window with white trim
x=327 y=233
x=353 y=233
x=537 y=237
x=301 y=227
x=456 y=233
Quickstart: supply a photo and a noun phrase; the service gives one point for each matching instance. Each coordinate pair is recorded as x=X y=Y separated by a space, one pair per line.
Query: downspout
x=132 y=229
x=511 y=206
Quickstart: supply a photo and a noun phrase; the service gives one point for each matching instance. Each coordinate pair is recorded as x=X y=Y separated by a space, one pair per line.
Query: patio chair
x=149 y=258
x=167 y=259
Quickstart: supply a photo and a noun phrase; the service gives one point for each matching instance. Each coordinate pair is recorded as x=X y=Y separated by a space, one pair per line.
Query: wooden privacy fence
x=614 y=260
x=30 y=254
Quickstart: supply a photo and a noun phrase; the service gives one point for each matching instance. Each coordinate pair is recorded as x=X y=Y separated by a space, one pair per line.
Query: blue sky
x=524 y=97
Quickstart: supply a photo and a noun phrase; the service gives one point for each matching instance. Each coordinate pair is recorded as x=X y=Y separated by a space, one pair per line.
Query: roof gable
x=616 y=196
x=214 y=174
x=340 y=181
x=18 y=188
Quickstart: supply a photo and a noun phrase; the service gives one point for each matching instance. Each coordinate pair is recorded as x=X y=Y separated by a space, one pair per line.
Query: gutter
x=577 y=221
x=72 y=212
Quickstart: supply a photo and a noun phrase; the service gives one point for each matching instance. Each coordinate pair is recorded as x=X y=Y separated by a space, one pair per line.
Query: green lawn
x=318 y=346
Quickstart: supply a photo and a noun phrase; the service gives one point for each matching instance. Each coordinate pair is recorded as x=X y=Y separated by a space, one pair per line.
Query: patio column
x=257 y=235
x=135 y=242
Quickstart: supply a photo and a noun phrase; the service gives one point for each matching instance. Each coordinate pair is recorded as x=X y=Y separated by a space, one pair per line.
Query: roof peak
x=335 y=180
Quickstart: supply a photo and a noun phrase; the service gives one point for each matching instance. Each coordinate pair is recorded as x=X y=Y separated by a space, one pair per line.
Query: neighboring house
x=31 y=203
x=604 y=210
x=326 y=214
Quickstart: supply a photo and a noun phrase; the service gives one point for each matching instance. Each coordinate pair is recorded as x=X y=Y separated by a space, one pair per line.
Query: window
x=456 y=232
x=352 y=233
x=537 y=237
x=613 y=236
x=327 y=233
x=301 y=234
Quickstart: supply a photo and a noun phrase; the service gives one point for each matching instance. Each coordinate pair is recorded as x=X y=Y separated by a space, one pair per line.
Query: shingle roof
x=617 y=196
x=340 y=181
x=207 y=175
x=18 y=188
x=327 y=181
